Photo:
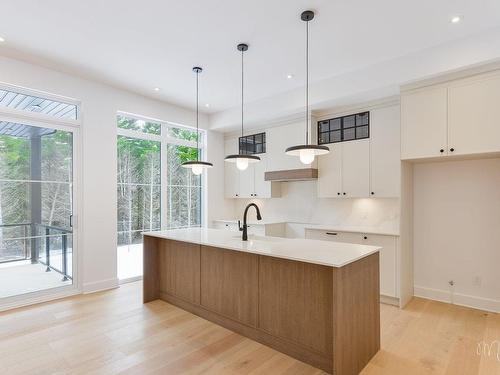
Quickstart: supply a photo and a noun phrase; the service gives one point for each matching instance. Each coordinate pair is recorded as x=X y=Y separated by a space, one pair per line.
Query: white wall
x=100 y=103
x=457 y=232
x=299 y=203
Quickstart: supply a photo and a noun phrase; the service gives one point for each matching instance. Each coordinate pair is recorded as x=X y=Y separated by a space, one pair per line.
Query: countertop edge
x=374 y=250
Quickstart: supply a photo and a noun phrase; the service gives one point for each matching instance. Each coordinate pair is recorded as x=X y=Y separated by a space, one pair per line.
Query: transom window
x=24 y=101
x=253 y=144
x=345 y=128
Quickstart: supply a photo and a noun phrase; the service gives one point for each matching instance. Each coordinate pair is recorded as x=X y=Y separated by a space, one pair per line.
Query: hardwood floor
x=114 y=333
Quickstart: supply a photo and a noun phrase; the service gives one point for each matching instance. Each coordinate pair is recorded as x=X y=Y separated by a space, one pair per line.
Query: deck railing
x=33 y=234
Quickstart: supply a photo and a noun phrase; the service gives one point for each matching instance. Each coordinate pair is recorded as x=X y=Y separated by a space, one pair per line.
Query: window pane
x=183 y=187
x=362 y=132
x=336 y=136
x=324 y=138
x=33 y=103
x=335 y=124
x=138 y=125
x=349 y=134
x=138 y=161
x=182 y=133
x=324 y=126
x=362 y=118
x=349 y=121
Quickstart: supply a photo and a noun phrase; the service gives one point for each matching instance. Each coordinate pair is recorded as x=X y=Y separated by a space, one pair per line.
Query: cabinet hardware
x=373 y=193
x=452 y=149
x=365 y=237
x=338 y=193
x=331 y=233
x=441 y=151
x=343 y=193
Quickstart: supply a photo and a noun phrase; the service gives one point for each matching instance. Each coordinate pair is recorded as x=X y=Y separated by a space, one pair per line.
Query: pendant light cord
x=307 y=82
x=242 y=93
x=197 y=120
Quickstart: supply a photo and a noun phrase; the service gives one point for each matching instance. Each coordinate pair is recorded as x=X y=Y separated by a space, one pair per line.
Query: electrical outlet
x=478 y=281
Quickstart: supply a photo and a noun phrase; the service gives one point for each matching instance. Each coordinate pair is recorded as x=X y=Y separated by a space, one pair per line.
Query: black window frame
x=254 y=143
x=343 y=128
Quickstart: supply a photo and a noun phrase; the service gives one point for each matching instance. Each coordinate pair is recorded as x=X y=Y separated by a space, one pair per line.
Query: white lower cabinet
x=388 y=254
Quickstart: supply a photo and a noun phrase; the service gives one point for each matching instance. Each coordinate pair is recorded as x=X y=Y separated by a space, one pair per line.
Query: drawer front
x=346 y=237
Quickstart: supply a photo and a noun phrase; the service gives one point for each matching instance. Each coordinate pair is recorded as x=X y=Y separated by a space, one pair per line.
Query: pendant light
x=307 y=152
x=197 y=166
x=242 y=160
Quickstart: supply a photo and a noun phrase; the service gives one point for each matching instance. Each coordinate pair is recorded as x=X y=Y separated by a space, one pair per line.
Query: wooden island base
x=325 y=316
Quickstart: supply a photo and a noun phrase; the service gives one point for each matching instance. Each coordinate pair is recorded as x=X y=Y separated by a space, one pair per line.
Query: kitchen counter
x=326 y=253
x=317 y=301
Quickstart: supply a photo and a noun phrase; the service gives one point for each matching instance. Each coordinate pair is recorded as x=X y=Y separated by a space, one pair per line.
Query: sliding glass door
x=36 y=208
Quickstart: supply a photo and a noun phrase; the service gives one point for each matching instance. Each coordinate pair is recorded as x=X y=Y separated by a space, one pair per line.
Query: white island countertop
x=327 y=253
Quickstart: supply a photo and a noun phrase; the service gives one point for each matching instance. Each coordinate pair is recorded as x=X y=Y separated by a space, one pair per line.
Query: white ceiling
x=139 y=45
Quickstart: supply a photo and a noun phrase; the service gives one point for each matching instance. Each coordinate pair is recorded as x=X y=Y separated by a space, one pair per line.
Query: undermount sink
x=255 y=237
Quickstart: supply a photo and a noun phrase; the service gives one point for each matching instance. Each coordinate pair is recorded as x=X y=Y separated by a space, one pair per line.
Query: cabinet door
x=231 y=173
x=385 y=154
x=230 y=283
x=388 y=265
x=424 y=123
x=330 y=173
x=262 y=188
x=474 y=123
x=356 y=169
x=247 y=178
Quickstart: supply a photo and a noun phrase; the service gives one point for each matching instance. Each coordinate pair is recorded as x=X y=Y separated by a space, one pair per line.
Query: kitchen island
x=316 y=301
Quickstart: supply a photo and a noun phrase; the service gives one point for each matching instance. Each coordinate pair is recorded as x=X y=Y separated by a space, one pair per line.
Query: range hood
x=305 y=174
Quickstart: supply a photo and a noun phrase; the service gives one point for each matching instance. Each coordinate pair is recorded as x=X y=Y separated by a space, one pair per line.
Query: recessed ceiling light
x=456 y=19
x=2 y=39
x=289 y=76
x=157 y=89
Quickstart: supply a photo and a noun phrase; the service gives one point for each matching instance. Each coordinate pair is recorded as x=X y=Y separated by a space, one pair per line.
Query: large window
x=154 y=191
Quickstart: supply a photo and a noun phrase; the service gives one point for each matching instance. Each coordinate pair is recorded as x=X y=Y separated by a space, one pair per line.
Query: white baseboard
x=27 y=300
x=98 y=286
x=389 y=300
x=130 y=280
x=480 y=303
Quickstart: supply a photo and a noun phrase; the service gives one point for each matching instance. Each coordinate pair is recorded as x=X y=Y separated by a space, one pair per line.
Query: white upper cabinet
x=474 y=123
x=345 y=171
x=454 y=118
x=231 y=173
x=330 y=172
x=424 y=123
x=385 y=154
x=356 y=168
x=249 y=183
x=278 y=140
